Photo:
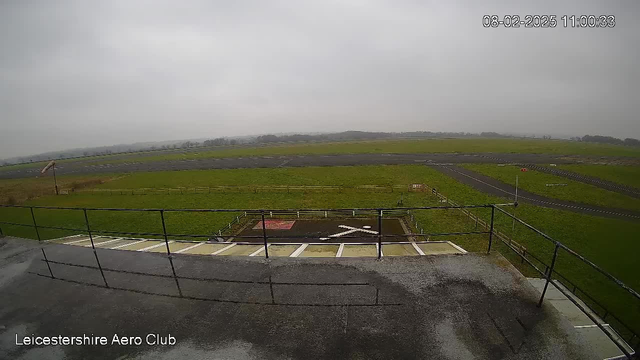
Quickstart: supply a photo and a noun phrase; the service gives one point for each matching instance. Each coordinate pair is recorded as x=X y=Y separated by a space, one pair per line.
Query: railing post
x=93 y=246
x=493 y=212
x=35 y=226
x=166 y=243
x=549 y=273
x=264 y=235
x=379 y=234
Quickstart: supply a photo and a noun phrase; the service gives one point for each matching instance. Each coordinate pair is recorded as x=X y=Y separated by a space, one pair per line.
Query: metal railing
x=379 y=213
x=632 y=339
x=368 y=212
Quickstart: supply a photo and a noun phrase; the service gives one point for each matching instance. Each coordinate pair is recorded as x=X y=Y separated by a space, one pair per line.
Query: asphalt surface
x=604 y=184
x=324 y=231
x=495 y=187
x=428 y=307
x=88 y=166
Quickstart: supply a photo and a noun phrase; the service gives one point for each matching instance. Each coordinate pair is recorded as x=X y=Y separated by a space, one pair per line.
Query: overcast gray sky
x=90 y=73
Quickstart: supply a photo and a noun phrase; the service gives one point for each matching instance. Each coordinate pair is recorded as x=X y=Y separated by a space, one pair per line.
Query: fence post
x=264 y=235
x=493 y=211
x=379 y=234
x=35 y=226
x=166 y=243
x=549 y=273
x=93 y=246
x=1 y=233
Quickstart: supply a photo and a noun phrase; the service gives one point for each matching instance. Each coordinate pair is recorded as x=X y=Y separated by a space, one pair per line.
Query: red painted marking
x=275 y=224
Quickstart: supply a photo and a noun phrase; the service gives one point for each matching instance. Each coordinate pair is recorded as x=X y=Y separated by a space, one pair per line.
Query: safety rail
x=379 y=213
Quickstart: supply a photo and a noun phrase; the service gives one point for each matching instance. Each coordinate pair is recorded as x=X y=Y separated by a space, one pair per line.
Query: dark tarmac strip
x=495 y=187
x=427 y=307
x=603 y=184
x=251 y=162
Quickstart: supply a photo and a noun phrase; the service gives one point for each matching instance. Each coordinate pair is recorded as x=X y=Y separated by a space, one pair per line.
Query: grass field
x=535 y=182
x=406 y=146
x=19 y=190
x=482 y=145
x=339 y=175
x=625 y=175
x=607 y=242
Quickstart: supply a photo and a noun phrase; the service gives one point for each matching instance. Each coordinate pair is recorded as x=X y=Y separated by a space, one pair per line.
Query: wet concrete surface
x=428 y=307
x=495 y=187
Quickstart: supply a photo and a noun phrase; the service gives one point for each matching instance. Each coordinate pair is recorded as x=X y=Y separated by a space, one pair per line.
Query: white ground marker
x=381 y=253
x=76 y=241
x=188 y=248
x=259 y=250
x=299 y=250
x=223 y=249
x=343 y=233
x=415 y=246
x=457 y=247
x=104 y=242
x=357 y=229
x=340 y=250
x=154 y=246
x=125 y=245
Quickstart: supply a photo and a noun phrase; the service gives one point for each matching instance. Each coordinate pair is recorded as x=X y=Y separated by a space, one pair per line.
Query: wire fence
x=623 y=334
x=242 y=188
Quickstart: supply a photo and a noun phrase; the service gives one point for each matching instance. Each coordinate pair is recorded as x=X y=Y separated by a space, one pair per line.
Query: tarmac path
x=89 y=166
x=495 y=187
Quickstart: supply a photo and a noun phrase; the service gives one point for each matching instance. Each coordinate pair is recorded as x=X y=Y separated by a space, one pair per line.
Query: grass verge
x=535 y=182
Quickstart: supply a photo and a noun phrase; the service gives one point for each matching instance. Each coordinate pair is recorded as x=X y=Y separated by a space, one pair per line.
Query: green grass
x=625 y=175
x=535 y=182
x=18 y=190
x=481 y=145
x=339 y=175
x=405 y=146
x=609 y=243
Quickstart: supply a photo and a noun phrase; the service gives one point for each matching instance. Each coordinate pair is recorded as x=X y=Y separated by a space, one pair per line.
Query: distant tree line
x=270 y=139
x=610 y=140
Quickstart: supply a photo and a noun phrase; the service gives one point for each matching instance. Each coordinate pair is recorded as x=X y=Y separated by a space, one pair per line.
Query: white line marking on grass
x=104 y=242
x=415 y=246
x=76 y=241
x=588 y=326
x=154 y=246
x=299 y=250
x=188 y=248
x=223 y=249
x=340 y=250
x=457 y=247
x=259 y=250
x=125 y=245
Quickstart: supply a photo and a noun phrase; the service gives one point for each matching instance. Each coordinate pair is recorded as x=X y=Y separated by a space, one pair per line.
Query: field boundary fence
x=547 y=269
x=240 y=188
x=550 y=271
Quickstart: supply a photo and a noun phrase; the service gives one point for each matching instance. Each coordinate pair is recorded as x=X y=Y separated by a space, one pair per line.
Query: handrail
x=572 y=252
